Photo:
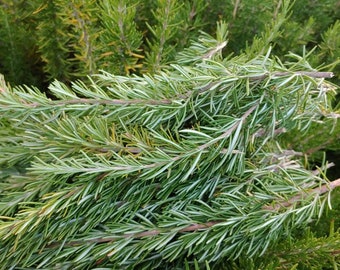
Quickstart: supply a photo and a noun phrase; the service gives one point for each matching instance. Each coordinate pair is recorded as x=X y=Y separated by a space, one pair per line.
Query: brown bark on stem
x=318 y=191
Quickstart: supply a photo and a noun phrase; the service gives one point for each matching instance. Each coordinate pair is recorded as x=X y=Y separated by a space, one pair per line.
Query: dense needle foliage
x=181 y=156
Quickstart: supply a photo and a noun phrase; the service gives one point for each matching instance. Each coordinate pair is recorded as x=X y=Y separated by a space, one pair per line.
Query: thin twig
x=313 y=74
x=262 y=132
x=236 y=8
x=232 y=128
x=327 y=166
x=129 y=150
x=191 y=228
x=105 y=102
x=319 y=190
x=85 y=37
x=218 y=48
x=276 y=12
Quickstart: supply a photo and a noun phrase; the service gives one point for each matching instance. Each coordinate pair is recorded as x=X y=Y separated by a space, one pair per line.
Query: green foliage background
x=67 y=40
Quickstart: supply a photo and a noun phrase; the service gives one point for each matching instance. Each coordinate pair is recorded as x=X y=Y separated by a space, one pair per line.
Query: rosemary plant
x=180 y=168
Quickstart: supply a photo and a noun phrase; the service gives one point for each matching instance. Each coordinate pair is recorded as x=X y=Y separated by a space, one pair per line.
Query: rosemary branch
x=317 y=191
x=313 y=74
x=126 y=102
x=194 y=227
